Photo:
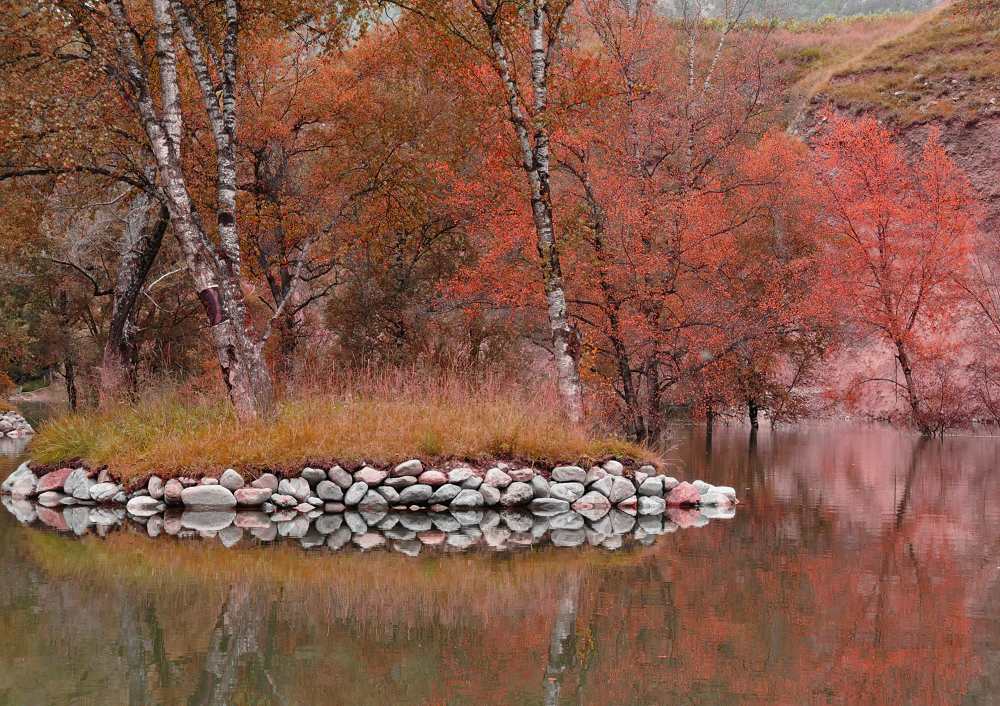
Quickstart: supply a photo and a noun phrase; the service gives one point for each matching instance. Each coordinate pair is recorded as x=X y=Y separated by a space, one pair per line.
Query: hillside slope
x=942 y=71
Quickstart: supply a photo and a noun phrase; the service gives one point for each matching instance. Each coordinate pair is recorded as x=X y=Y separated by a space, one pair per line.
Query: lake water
x=862 y=567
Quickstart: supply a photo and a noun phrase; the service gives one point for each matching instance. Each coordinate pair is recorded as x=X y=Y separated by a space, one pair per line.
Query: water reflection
x=863 y=568
x=405 y=532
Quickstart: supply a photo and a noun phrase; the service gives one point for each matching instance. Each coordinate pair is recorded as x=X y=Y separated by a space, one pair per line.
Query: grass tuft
x=376 y=418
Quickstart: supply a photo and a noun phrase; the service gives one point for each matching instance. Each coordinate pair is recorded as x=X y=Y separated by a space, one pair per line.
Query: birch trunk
x=534 y=147
x=215 y=277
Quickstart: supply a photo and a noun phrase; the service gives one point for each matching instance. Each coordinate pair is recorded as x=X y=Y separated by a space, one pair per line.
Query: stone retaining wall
x=570 y=501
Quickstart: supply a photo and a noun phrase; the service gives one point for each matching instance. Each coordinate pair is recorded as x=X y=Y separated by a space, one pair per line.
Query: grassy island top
x=379 y=420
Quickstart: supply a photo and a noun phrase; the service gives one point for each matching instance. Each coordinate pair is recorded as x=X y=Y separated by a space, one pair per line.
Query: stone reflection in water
x=405 y=532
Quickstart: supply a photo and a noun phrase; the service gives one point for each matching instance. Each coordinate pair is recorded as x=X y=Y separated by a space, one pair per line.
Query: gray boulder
x=445 y=494
x=570 y=492
x=229 y=479
x=517 y=493
x=22 y=472
x=104 y=492
x=413 y=467
x=50 y=498
x=208 y=496
x=298 y=488
x=355 y=493
x=460 y=475
x=252 y=497
x=373 y=502
x=312 y=476
x=266 y=480
x=497 y=478
x=416 y=494
x=549 y=506
x=491 y=495
x=468 y=499
x=400 y=482
x=282 y=500
x=341 y=477
x=78 y=484
x=329 y=491
x=391 y=495
x=155 y=487
x=144 y=506
x=613 y=467
x=652 y=487
x=568 y=474
x=540 y=486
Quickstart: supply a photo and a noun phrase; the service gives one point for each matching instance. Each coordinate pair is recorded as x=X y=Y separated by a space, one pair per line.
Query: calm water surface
x=863 y=567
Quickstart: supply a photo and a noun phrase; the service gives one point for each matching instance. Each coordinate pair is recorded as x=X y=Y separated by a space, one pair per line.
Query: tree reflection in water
x=864 y=568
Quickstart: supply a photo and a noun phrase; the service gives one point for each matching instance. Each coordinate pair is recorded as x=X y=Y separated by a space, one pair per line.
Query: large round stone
x=568 y=474
x=497 y=478
x=684 y=495
x=517 y=494
x=355 y=493
x=570 y=492
x=371 y=476
x=252 y=497
x=298 y=488
x=208 y=496
x=467 y=498
x=413 y=467
x=415 y=494
x=229 y=479
x=329 y=491
x=53 y=480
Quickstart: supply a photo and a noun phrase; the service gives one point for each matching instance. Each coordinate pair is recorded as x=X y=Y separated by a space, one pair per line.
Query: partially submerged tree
x=902 y=232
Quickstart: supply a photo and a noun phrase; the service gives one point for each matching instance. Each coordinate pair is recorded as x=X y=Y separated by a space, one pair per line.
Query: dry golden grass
x=381 y=418
x=945 y=66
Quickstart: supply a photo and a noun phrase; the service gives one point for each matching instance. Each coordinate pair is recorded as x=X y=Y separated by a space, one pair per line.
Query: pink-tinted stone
x=252 y=496
x=172 y=491
x=683 y=495
x=53 y=518
x=432 y=478
x=522 y=475
x=53 y=480
x=371 y=476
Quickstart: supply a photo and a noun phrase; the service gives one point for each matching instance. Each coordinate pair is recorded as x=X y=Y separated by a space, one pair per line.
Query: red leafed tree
x=902 y=235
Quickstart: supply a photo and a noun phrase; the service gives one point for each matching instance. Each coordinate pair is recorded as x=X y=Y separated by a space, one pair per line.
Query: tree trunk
x=69 y=354
x=534 y=144
x=140 y=245
x=215 y=276
x=912 y=396
x=753 y=411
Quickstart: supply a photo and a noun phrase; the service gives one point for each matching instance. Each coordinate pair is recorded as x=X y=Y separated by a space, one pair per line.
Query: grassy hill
x=946 y=66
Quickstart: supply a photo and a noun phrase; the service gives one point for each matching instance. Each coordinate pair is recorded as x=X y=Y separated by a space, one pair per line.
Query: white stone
x=570 y=492
x=413 y=467
x=208 y=496
x=229 y=479
x=568 y=474
x=613 y=467
x=496 y=478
